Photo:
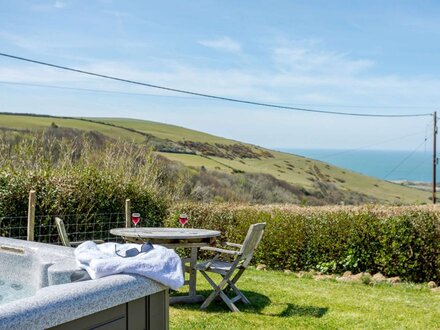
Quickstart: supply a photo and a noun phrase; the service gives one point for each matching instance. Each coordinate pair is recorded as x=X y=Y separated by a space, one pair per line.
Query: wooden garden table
x=174 y=238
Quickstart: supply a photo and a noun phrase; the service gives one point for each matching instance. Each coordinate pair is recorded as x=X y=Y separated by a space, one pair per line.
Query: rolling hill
x=198 y=150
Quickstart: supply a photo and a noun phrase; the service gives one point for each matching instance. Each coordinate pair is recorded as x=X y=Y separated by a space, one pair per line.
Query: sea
x=390 y=165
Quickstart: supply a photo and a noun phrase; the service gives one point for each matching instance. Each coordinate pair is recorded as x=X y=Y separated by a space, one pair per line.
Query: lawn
x=283 y=301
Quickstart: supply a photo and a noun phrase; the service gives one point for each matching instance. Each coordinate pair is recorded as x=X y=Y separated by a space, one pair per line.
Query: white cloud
x=342 y=84
x=118 y=14
x=295 y=74
x=311 y=59
x=310 y=76
x=224 y=44
x=18 y=40
x=57 y=4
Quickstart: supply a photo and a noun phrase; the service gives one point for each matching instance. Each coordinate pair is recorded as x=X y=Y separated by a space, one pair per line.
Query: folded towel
x=160 y=264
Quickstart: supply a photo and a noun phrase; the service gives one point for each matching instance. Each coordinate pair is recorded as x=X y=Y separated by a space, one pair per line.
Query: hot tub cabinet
x=37 y=293
x=149 y=312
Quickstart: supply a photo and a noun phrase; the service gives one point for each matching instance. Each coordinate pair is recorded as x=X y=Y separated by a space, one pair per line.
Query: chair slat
x=227 y=269
x=253 y=238
x=62 y=232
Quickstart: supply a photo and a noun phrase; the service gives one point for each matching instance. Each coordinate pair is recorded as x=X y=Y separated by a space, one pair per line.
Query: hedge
x=77 y=180
x=396 y=241
x=76 y=177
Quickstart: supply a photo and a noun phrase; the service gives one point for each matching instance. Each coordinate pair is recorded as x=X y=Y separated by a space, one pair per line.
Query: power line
x=106 y=91
x=404 y=159
x=371 y=145
x=79 y=89
x=361 y=106
x=381 y=142
x=353 y=106
x=262 y=104
x=409 y=172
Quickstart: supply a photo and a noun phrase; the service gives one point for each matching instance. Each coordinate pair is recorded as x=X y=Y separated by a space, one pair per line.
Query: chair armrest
x=214 y=249
x=232 y=245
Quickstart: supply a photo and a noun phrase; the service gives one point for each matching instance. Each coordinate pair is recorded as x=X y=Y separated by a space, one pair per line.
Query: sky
x=377 y=57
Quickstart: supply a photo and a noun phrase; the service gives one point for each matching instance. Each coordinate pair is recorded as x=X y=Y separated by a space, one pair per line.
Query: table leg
x=192 y=296
x=193 y=272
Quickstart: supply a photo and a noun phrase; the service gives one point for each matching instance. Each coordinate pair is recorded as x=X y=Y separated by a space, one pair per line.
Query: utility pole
x=434 y=160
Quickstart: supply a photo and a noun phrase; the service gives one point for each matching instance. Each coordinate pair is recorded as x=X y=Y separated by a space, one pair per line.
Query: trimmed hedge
x=396 y=241
x=77 y=177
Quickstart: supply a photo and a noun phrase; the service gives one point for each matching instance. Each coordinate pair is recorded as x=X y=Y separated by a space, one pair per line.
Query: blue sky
x=330 y=55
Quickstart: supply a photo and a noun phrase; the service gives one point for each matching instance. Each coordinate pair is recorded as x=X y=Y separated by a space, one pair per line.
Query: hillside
x=201 y=150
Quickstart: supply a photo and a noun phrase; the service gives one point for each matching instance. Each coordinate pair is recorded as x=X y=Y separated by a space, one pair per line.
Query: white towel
x=160 y=264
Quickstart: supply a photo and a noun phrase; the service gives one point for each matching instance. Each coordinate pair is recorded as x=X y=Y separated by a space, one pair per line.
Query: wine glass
x=135 y=218
x=183 y=219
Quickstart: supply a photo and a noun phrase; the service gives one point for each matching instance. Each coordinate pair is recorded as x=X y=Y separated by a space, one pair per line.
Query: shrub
x=74 y=176
x=366 y=279
x=396 y=241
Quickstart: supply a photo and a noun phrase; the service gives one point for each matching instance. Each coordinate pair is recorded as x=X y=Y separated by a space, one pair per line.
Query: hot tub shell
x=120 y=301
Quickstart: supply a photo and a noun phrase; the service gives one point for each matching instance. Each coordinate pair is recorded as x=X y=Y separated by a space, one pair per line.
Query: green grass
x=290 y=168
x=197 y=161
x=165 y=131
x=34 y=123
x=280 y=166
x=282 y=301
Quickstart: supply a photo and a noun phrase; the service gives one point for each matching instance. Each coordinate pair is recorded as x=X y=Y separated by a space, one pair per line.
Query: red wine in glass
x=135 y=218
x=183 y=219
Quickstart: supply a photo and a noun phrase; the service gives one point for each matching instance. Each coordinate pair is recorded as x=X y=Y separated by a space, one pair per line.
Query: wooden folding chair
x=64 y=237
x=242 y=258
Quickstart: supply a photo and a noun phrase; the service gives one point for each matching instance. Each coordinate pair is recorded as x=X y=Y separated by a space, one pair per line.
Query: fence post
x=31 y=215
x=127 y=213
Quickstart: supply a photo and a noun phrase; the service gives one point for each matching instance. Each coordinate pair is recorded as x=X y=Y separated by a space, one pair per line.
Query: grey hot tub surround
x=115 y=302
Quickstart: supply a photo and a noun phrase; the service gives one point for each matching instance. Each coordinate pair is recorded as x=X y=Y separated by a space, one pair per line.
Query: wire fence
x=14 y=227
x=79 y=227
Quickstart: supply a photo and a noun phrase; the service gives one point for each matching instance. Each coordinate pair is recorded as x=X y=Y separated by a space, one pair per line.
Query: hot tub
x=36 y=292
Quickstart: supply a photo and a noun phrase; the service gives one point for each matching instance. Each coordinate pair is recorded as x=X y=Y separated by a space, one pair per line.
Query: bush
x=396 y=241
x=73 y=176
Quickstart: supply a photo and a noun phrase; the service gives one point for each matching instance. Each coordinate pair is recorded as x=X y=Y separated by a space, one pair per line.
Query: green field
x=283 y=301
x=164 y=131
x=293 y=169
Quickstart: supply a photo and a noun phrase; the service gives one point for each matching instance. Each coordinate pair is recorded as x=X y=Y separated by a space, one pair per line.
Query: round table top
x=165 y=233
